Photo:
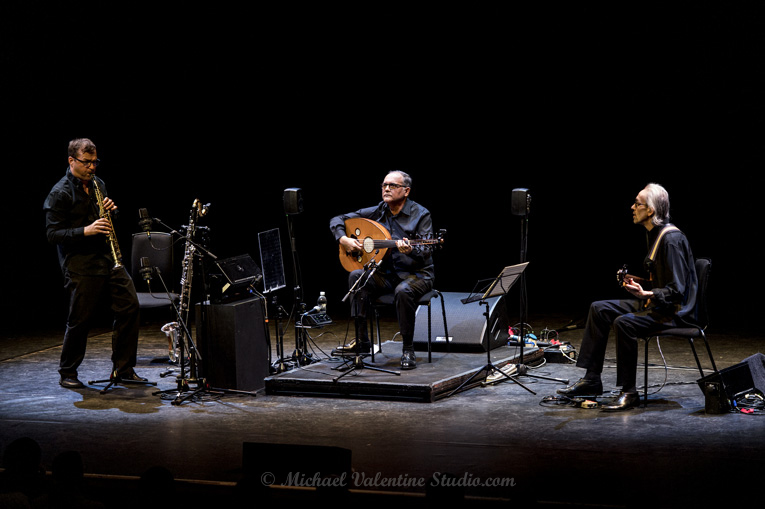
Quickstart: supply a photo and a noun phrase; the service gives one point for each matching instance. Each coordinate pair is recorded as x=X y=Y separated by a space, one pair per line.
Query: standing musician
x=406 y=271
x=670 y=299
x=81 y=230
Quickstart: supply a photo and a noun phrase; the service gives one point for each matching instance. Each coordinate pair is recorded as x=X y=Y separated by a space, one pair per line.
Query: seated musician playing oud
x=406 y=271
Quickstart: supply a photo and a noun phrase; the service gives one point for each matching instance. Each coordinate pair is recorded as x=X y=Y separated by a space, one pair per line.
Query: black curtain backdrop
x=580 y=104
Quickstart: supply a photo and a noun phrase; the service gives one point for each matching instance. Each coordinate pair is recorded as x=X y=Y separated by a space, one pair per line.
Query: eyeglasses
x=94 y=162
x=638 y=204
x=392 y=186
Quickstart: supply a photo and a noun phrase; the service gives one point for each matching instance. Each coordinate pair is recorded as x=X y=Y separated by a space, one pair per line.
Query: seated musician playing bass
x=406 y=270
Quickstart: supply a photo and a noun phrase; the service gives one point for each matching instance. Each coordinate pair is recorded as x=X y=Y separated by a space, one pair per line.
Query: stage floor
x=500 y=443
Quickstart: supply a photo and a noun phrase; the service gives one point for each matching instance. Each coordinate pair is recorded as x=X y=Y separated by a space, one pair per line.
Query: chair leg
x=696 y=357
x=443 y=312
x=645 y=374
x=430 y=330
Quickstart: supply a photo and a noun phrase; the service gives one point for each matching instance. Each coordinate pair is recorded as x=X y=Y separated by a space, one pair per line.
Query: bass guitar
x=375 y=241
x=622 y=276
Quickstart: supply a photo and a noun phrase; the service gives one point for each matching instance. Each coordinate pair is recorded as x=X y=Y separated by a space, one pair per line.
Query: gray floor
x=501 y=443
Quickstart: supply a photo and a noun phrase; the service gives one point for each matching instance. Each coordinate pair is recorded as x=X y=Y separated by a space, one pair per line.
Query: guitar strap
x=656 y=243
x=654 y=249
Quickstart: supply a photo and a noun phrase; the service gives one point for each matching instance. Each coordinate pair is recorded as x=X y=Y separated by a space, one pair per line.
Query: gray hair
x=404 y=175
x=657 y=199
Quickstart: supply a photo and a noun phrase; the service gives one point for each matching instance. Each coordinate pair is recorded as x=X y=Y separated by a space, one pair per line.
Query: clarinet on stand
x=183 y=334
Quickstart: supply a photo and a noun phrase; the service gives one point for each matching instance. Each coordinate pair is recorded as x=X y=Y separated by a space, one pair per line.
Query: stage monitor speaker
x=736 y=379
x=293 y=200
x=232 y=339
x=281 y=461
x=468 y=328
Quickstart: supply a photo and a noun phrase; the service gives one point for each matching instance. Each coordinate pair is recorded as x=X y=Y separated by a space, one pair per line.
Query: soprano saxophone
x=111 y=238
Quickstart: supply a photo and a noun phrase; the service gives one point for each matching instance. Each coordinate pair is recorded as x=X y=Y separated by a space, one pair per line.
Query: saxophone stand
x=500 y=286
x=357 y=362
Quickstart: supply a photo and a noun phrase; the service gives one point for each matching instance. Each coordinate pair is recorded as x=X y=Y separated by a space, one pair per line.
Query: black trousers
x=630 y=322
x=406 y=293
x=85 y=296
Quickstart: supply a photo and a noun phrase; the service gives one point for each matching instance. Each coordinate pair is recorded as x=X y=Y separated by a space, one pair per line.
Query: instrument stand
x=499 y=286
x=112 y=380
x=183 y=391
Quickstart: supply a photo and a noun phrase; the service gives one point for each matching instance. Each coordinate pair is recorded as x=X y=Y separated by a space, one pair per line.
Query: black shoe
x=583 y=388
x=408 y=360
x=70 y=382
x=625 y=401
x=354 y=347
x=130 y=376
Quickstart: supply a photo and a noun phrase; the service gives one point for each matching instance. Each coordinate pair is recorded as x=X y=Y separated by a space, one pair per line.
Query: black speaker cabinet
x=520 y=200
x=293 y=201
x=468 y=328
x=233 y=341
x=735 y=379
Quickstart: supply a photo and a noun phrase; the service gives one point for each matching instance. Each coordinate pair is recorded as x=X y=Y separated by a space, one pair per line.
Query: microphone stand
x=357 y=362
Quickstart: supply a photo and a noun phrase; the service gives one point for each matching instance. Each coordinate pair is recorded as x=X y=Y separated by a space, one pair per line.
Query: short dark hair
x=81 y=145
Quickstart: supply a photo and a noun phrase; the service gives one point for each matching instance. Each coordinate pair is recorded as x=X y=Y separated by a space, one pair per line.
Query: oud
x=375 y=242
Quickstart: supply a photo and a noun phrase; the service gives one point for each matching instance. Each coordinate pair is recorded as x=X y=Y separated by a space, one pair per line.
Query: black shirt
x=673 y=273
x=68 y=210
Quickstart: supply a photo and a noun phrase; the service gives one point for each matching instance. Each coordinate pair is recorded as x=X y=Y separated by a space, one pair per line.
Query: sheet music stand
x=499 y=286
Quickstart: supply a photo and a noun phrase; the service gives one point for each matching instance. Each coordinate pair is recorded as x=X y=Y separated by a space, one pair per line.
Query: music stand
x=498 y=287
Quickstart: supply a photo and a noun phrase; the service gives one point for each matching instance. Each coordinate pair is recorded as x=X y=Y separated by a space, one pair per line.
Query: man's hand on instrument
x=100 y=225
x=109 y=204
x=351 y=244
x=404 y=246
x=635 y=289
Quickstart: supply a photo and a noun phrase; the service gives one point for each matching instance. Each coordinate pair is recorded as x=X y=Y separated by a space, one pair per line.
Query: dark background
x=580 y=104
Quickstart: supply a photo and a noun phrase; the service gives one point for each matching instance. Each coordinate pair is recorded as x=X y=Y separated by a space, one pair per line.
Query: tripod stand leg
x=358 y=364
x=488 y=368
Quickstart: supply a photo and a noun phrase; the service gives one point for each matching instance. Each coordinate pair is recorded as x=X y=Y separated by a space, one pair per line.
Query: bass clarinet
x=197 y=210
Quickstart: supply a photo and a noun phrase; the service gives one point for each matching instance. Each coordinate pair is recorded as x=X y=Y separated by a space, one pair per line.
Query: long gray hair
x=657 y=199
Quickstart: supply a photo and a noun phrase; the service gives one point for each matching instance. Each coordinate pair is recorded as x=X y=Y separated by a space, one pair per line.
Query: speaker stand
x=521 y=368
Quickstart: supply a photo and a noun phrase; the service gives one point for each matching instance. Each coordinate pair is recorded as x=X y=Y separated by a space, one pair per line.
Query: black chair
x=386 y=301
x=701 y=317
x=157 y=247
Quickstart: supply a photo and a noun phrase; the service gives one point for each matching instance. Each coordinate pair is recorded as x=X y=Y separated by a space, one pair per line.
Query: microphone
x=144 y=221
x=146 y=269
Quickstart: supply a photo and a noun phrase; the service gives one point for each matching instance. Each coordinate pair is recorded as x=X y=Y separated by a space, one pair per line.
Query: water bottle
x=321 y=303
